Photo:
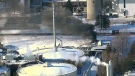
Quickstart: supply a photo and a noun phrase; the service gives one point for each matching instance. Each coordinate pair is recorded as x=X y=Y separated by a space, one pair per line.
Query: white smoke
x=101 y=63
x=84 y=58
x=28 y=52
x=77 y=60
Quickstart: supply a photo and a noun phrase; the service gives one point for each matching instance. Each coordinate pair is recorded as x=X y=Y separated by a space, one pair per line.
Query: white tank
x=63 y=54
x=53 y=69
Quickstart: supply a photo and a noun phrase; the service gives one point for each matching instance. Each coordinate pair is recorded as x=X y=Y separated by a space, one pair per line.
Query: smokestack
x=93 y=8
x=90 y=9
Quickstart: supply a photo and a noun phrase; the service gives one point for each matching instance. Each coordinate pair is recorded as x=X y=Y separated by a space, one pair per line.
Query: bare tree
x=121 y=41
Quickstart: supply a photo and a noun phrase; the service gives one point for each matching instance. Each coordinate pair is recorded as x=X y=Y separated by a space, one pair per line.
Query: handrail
x=87 y=71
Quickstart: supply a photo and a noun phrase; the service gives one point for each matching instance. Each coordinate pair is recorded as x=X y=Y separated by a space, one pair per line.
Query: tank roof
x=45 y=69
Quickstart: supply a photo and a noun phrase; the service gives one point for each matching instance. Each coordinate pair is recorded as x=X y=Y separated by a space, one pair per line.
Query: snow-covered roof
x=97 y=50
x=130 y=74
x=103 y=47
x=42 y=69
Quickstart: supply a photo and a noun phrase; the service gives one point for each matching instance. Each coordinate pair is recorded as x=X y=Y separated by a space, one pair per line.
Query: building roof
x=103 y=47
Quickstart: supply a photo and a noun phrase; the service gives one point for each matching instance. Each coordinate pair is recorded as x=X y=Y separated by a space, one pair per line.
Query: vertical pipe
x=124 y=8
x=101 y=4
x=124 y=4
x=107 y=70
x=54 y=31
x=100 y=24
x=110 y=68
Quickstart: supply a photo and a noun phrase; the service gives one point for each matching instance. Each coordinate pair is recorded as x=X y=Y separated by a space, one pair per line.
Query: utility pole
x=100 y=20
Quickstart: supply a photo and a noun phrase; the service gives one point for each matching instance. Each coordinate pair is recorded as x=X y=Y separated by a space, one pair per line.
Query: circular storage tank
x=13 y=65
x=4 y=71
x=46 y=69
x=62 y=54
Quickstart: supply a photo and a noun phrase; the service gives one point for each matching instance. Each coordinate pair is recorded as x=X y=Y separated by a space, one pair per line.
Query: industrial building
x=126 y=7
x=90 y=8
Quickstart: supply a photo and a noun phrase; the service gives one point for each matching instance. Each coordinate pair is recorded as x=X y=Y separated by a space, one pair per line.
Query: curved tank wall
x=62 y=54
x=53 y=69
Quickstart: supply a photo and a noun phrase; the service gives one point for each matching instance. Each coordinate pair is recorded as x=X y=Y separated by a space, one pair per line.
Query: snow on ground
x=34 y=42
x=121 y=27
x=41 y=41
x=130 y=73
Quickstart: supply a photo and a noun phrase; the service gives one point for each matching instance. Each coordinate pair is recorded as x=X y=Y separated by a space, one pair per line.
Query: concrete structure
x=48 y=69
x=93 y=8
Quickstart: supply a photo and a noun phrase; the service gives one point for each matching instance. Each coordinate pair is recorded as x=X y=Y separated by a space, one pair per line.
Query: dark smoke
x=67 y=24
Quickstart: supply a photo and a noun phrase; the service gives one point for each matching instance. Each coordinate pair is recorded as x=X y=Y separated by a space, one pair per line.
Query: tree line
x=122 y=59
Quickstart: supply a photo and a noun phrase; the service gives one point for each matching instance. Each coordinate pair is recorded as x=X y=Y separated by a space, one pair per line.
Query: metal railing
x=86 y=73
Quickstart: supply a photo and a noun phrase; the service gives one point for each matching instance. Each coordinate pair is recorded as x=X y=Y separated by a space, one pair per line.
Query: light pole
x=54 y=29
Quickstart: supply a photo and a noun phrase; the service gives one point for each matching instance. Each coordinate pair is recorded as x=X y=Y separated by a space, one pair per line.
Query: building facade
x=126 y=7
